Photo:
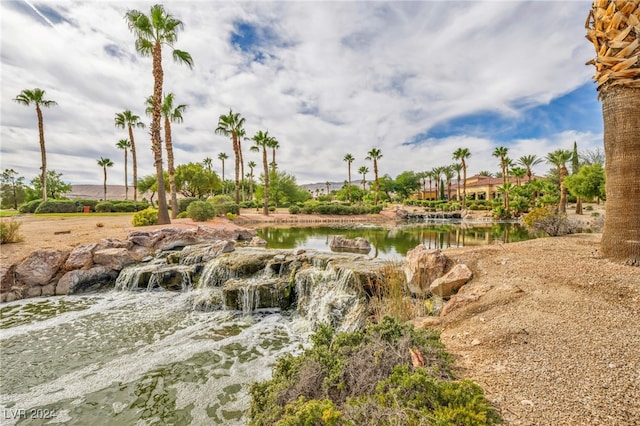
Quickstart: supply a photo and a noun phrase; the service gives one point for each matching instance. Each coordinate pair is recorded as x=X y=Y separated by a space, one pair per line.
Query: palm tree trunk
x=134 y=163
x=621 y=234
x=236 y=154
x=464 y=184
x=241 y=166
x=43 y=153
x=126 y=179
x=170 y=167
x=156 y=144
x=375 y=172
x=563 y=190
x=104 y=187
x=265 y=203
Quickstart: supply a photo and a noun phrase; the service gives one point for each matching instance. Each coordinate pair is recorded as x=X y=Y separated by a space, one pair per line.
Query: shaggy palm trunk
x=156 y=144
x=134 y=163
x=621 y=234
x=241 y=166
x=265 y=203
x=464 y=184
x=126 y=178
x=43 y=154
x=104 y=186
x=563 y=190
x=170 y=168
x=375 y=173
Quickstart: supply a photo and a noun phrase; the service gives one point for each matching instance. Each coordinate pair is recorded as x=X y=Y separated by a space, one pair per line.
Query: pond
x=393 y=242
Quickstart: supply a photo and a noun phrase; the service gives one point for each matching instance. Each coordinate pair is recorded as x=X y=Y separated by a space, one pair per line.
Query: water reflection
x=396 y=241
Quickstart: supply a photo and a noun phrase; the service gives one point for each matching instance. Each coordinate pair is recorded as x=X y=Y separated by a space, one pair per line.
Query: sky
x=417 y=80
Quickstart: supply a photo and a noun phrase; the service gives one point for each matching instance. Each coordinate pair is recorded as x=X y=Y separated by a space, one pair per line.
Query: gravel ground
x=554 y=335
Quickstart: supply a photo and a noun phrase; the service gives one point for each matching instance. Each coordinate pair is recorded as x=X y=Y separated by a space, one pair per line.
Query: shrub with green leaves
x=145 y=217
x=200 y=211
x=294 y=209
x=123 y=206
x=183 y=203
x=104 y=207
x=221 y=199
x=56 y=206
x=367 y=377
x=223 y=208
x=29 y=207
x=9 y=232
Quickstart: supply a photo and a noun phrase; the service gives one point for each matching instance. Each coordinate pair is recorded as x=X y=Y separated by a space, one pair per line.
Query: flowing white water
x=136 y=358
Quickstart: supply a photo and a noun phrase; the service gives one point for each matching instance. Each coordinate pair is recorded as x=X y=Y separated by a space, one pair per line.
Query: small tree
x=104 y=163
x=12 y=190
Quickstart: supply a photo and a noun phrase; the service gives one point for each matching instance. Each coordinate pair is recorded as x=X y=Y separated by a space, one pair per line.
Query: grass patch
x=9 y=213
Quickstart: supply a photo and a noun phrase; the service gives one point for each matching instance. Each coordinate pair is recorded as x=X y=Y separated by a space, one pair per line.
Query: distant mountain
x=96 y=192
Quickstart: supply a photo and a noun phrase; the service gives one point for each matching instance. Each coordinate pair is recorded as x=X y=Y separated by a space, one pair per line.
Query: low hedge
x=315 y=207
x=183 y=203
x=57 y=206
x=29 y=207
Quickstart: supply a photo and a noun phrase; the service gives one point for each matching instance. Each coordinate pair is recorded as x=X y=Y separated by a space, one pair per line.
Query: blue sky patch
x=254 y=40
x=577 y=110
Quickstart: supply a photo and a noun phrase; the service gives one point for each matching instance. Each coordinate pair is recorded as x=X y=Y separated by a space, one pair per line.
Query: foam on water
x=110 y=359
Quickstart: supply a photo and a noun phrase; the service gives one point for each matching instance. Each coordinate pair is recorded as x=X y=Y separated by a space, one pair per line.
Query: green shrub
x=104 y=207
x=124 y=206
x=221 y=199
x=9 y=232
x=146 y=217
x=223 y=208
x=200 y=211
x=248 y=204
x=183 y=203
x=29 y=207
x=500 y=213
x=294 y=209
x=231 y=216
x=588 y=208
x=361 y=377
x=182 y=215
x=56 y=206
x=81 y=202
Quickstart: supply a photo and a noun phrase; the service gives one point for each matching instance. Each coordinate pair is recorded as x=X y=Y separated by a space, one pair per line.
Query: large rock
x=84 y=280
x=7 y=277
x=81 y=257
x=204 y=252
x=422 y=266
x=40 y=267
x=446 y=285
x=113 y=258
x=357 y=244
x=248 y=296
x=172 y=278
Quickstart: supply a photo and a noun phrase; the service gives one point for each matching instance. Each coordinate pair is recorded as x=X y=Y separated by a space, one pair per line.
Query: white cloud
x=342 y=77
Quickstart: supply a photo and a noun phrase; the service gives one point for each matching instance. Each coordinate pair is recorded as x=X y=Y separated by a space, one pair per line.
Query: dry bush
x=9 y=232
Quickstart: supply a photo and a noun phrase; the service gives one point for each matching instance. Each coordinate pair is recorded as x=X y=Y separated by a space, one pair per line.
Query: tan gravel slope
x=554 y=337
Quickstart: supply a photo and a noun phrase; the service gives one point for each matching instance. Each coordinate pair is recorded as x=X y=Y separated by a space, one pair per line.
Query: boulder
x=40 y=267
x=84 y=280
x=108 y=243
x=172 y=278
x=7 y=277
x=422 y=266
x=257 y=242
x=81 y=257
x=357 y=244
x=204 y=252
x=446 y=285
x=113 y=258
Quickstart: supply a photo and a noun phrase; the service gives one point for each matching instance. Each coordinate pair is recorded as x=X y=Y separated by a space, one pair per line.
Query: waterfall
x=137 y=276
x=215 y=274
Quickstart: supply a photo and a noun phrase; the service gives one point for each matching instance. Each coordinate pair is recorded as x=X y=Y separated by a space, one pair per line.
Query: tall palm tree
x=125 y=145
x=36 y=97
x=457 y=167
x=328 y=185
x=501 y=153
x=261 y=141
x=222 y=156
x=518 y=173
x=128 y=120
x=461 y=154
x=429 y=175
x=242 y=135
x=614 y=30
x=363 y=170
x=232 y=125
x=528 y=161
x=349 y=159
x=104 y=163
x=506 y=189
x=208 y=162
x=374 y=155
x=274 y=144
x=152 y=32
x=449 y=173
x=252 y=165
x=437 y=173
x=559 y=158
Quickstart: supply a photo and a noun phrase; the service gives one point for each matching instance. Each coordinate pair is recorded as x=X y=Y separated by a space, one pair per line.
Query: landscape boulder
x=84 y=280
x=113 y=258
x=358 y=244
x=81 y=257
x=446 y=285
x=40 y=267
x=422 y=266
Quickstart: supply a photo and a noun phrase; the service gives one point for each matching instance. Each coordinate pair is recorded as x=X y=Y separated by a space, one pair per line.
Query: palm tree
x=273 y=144
x=127 y=120
x=232 y=125
x=104 y=163
x=125 y=145
x=518 y=173
x=613 y=28
x=36 y=97
x=252 y=165
x=208 y=162
x=374 y=155
x=328 y=185
x=429 y=175
x=461 y=154
x=153 y=31
x=528 y=161
x=559 y=158
x=501 y=153
x=437 y=172
x=505 y=189
x=363 y=170
x=457 y=167
x=449 y=173
x=486 y=173
x=222 y=156
x=349 y=159
x=262 y=140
